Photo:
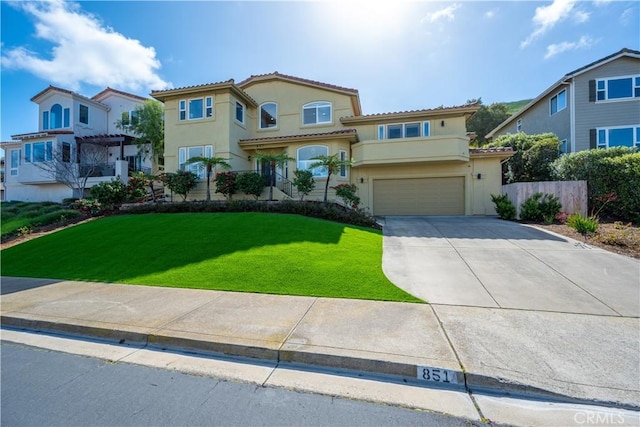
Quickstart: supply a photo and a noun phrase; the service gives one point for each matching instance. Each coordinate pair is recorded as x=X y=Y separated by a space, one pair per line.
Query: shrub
x=226 y=184
x=110 y=194
x=137 y=187
x=251 y=183
x=614 y=170
x=561 y=217
x=88 y=207
x=181 y=182
x=304 y=182
x=583 y=225
x=347 y=192
x=540 y=208
x=504 y=207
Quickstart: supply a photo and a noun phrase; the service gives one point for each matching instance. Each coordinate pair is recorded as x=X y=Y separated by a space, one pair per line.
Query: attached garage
x=419 y=196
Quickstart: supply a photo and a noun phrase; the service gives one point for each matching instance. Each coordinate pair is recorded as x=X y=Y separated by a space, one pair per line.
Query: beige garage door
x=419 y=196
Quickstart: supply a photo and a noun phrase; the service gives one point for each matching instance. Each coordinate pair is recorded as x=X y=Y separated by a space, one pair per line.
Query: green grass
x=516 y=106
x=247 y=252
x=16 y=215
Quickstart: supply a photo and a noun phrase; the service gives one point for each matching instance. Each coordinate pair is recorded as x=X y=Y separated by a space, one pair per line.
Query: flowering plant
x=347 y=192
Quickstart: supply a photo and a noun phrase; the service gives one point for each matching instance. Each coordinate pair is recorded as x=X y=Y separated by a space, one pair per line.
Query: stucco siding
x=591 y=115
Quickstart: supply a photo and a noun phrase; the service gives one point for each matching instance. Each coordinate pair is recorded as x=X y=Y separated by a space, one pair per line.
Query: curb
x=402 y=372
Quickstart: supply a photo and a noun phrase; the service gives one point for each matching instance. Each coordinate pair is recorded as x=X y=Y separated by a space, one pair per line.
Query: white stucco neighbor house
x=75 y=135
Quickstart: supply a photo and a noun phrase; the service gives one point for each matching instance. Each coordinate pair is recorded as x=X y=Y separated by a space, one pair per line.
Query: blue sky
x=399 y=55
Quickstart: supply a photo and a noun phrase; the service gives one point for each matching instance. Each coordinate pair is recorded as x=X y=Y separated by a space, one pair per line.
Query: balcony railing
x=98 y=170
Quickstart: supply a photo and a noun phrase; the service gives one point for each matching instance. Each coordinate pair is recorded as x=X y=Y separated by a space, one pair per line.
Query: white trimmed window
x=196 y=108
x=306 y=155
x=83 y=117
x=342 y=155
x=182 y=109
x=269 y=115
x=316 y=113
x=558 y=102
x=208 y=106
x=563 y=146
x=15 y=162
x=626 y=87
x=620 y=136
x=38 y=152
x=404 y=130
x=186 y=153
x=239 y=112
x=519 y=125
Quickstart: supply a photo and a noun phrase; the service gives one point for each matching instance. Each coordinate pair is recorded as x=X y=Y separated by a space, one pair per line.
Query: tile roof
x=109 y=89
x=307 y=135
x=488 y=150
x=297 y=79
x=157 y=92
x=67 y=91
x=42 y=133
x=426 y=110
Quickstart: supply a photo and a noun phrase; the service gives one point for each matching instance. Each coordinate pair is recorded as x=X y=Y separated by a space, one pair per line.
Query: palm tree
x=274 y=160
x=210 y=164
x=333 y=165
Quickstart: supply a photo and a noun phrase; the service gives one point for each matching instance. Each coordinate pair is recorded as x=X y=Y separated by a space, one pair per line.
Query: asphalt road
x=44 y=387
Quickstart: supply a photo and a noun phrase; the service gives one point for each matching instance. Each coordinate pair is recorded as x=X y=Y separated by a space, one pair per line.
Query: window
x=134 y=117
x=15 y=162
x=45 y=120
x=39 y=152
x=558 y=102
x=403 y=130
x=84 y=114
x=316 y=113
x=183 y=109
x=519 y=125
x=67 y=113
x=268 y=115
x=563 y=146
x=343 y=168
x=306 y=155
x=619 y=136
x=208 y=106
x=617 y=88
x=186 y=153
x=239 y=112
x=66 y=152
x=56 y=116
x=196 y=110
x=130 y=117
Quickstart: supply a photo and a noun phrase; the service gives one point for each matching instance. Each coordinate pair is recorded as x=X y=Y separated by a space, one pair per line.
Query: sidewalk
x=559 y=355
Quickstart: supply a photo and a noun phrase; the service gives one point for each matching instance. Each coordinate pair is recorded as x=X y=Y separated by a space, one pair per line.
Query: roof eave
x=163 y=95
x=410 y=115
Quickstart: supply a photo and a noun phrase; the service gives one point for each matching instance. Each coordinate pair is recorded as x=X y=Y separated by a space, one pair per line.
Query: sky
x=399 y=55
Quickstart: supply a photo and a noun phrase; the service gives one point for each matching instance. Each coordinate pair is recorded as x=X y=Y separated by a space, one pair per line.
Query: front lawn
x=247 y=252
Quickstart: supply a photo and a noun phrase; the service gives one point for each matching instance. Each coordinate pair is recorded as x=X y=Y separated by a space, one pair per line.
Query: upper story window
x=316 y=113
x=239 y=112
x=404 y=130
x=268 y=115
x=15 y=162
x=83 y=117
x=343 y=168
x=519 y=125
x=196 y=108
x=627 y=87
x=130 y=117
x=558 y=102
x=306 y=155
x=186 y=153
x=626 y=136
x=55 y=118
x=38 y=152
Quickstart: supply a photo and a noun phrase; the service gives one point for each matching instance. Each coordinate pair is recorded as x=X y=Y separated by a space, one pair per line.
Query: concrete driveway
x=488 y=262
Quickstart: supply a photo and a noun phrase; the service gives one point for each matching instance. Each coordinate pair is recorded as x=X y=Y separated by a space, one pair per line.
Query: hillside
x=515 y=106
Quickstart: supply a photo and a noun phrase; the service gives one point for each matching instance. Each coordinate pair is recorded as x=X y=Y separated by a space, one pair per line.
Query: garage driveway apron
x=488 y=262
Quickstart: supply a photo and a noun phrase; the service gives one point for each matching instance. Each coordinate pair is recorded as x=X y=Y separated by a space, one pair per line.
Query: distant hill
x=516 y=106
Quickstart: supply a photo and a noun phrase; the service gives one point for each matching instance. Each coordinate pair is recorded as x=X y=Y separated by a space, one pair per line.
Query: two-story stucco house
x=405 y=163
x=595 y=106
x=76 y=136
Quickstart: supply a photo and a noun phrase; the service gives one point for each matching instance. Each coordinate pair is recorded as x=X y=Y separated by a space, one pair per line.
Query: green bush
x=347 y=192
x=614 y=170
x=55 y=217
x=304 y=182
x=181 y=182
x=504 y=207
x=110 y=194
x=540 y=207
x=583 y=225
x=251 y=183
x=226 y=184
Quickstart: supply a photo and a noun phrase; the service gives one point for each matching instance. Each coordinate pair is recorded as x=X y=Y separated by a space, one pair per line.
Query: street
x=44 y=387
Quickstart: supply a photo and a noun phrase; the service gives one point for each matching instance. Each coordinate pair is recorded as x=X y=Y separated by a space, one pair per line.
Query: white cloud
x=84 y=51
x=581 y=16
x=601 y=2
x=445 y=13
x=546 y=17
x=628 y=15
x=585 y=42
x=490 y=13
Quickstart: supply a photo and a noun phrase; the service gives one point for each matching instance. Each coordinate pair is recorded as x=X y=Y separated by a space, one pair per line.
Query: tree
x=304 y=182
x=147 y=124
x=209 y=164
x=533 y=156
x=274 y=161
x=181 y=182
x=63 y=169
x=486 y=119
x=332 y=164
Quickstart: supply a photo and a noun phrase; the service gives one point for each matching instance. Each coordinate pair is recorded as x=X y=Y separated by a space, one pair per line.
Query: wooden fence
x=572 y=194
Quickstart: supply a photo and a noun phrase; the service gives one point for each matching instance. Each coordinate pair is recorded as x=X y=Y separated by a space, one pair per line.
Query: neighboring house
x=77 y=137
x=405 y=163
x=595 y=106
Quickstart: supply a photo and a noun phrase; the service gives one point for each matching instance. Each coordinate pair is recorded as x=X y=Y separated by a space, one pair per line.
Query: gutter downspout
x=572 y=115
